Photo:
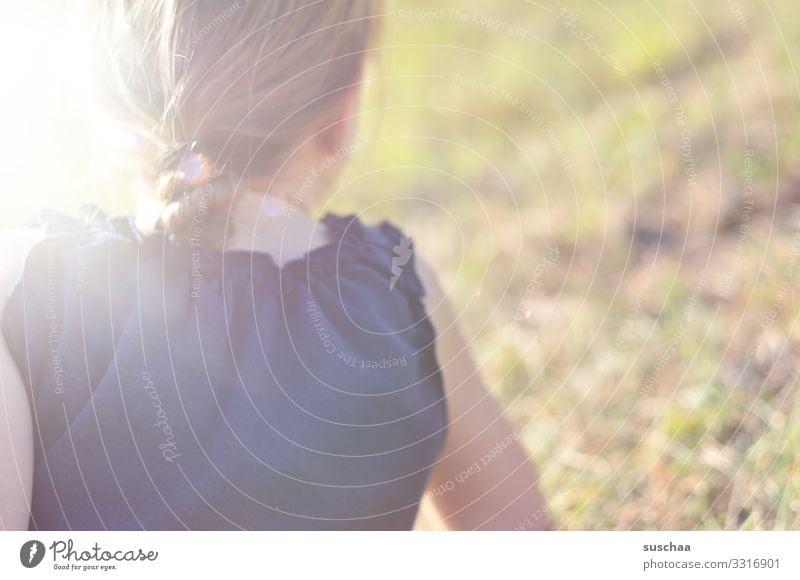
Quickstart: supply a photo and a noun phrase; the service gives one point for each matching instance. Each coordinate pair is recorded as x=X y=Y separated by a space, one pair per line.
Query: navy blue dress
x=177 y=387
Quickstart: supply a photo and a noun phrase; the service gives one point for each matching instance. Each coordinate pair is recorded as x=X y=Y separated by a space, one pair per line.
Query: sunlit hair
x=240 y=84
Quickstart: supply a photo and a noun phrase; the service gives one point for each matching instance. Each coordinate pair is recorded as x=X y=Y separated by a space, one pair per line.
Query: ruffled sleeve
x=57 y=300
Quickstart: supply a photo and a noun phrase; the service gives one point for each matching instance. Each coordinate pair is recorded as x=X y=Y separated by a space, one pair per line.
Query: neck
x=273 y=224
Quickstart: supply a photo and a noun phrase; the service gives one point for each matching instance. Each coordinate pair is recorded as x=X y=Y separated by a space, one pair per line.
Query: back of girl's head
x=242 y=84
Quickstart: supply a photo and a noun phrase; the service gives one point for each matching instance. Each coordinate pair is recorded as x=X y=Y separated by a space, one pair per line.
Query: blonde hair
x=239 y=85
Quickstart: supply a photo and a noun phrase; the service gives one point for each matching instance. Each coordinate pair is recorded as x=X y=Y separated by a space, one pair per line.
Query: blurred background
x=611 y=195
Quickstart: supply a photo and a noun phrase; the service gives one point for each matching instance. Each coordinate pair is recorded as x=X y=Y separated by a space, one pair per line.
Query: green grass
x=636 y=381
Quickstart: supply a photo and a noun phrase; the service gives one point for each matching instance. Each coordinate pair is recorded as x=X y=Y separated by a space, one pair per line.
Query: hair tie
x=192 y=167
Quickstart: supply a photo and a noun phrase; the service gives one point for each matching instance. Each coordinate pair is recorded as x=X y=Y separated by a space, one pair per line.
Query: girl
x=235 y=364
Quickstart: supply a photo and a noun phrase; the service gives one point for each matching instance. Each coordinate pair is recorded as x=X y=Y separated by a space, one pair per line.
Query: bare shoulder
x=16 y=427
x=436 y=302
x=16 y=245
x=451 y=347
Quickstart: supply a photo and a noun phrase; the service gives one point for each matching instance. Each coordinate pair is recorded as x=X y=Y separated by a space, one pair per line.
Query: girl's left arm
x=16 y=429
x=484 y=478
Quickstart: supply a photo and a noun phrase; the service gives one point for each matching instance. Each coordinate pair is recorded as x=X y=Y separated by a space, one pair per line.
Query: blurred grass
x=653 y=375
x=652 y=372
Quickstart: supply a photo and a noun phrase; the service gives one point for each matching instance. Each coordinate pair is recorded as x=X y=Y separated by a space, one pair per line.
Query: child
x=236 y=364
